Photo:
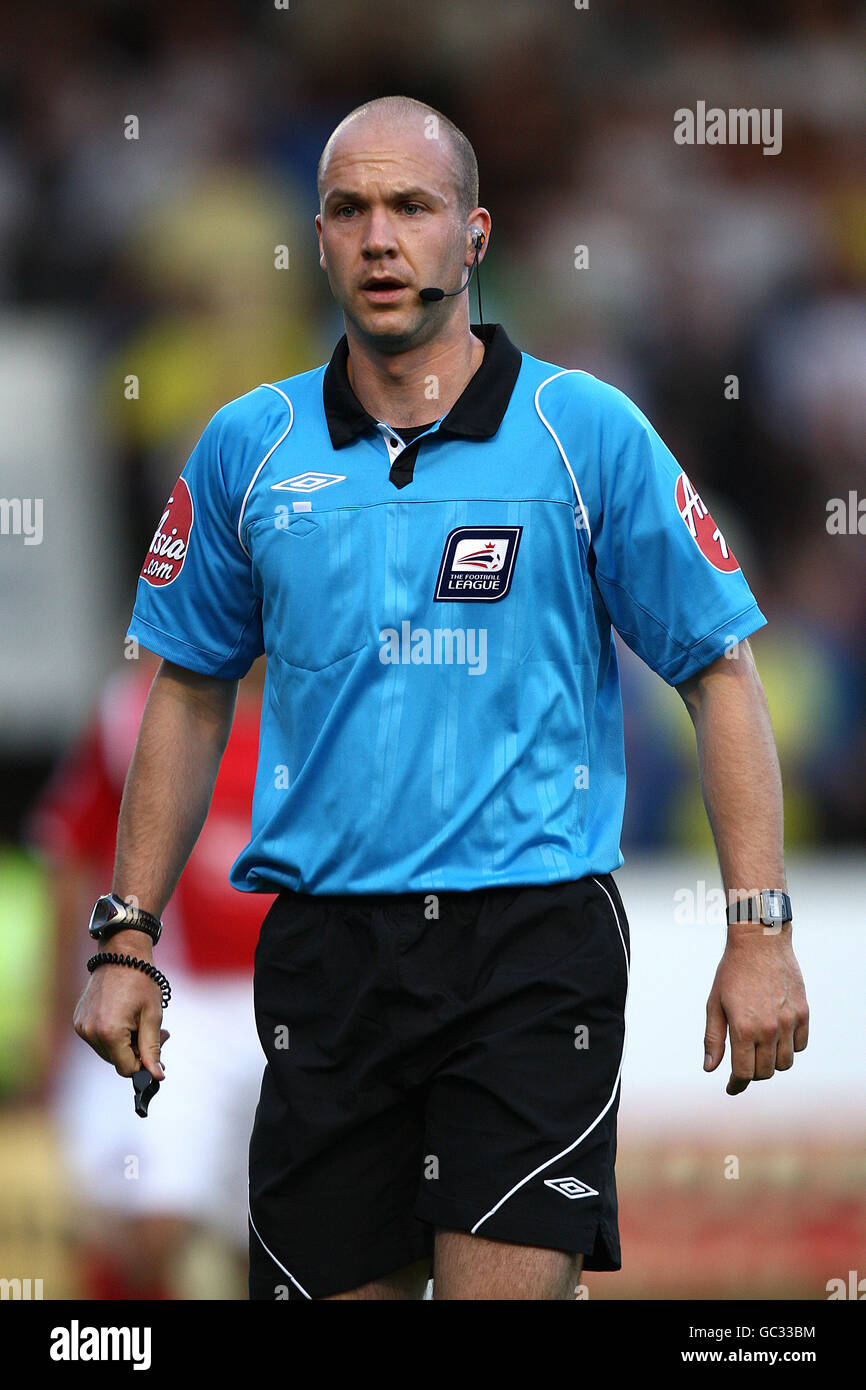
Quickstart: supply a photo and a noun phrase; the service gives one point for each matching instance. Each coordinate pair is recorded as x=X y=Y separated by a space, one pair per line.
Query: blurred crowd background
x=152 y=261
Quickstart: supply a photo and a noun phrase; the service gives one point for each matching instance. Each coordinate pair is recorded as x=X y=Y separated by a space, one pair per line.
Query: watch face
x=104 y=913
x=774 y=905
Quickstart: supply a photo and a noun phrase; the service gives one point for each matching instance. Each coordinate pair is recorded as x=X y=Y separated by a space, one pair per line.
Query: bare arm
x=184 y=731
x=758 y=994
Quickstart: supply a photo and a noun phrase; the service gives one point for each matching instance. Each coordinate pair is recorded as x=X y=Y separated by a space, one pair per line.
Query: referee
x=431 y=538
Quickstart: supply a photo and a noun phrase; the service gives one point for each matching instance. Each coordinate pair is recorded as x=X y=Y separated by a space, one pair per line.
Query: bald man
x=371 y=229
x=431 y=537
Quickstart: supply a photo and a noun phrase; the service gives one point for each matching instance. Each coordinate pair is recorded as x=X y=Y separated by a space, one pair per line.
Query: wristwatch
x=111 y=914
x=770 y=907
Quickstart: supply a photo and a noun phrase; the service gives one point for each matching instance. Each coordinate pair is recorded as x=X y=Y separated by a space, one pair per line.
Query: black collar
x=477 y=413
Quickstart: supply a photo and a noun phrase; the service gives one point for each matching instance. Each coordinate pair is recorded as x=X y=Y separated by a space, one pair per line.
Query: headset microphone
x=432 y=292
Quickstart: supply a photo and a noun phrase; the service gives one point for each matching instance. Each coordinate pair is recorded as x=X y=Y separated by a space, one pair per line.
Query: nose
x=380 y=239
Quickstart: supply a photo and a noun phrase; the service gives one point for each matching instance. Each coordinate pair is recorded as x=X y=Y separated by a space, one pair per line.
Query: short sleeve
x=670 y=582
x=196 y=603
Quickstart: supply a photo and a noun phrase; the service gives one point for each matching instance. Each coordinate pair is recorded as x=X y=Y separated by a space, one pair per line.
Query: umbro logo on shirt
x=308 y=482
x=477 y=564
x=571 y=1188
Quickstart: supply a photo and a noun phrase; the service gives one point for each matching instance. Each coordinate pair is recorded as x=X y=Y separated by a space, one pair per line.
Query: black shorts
x=448 y=1060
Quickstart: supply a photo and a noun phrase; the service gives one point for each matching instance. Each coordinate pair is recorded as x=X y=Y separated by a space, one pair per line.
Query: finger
x=149 y=1041
x=785 y=1052
x=714 y=1034
x=801 y=1034
x=113 y=1046
x=765 y=1059
x=736 y=1085
x=121 y=1053
x=164 y=1035
x=742 y=1064
x=98 y=1048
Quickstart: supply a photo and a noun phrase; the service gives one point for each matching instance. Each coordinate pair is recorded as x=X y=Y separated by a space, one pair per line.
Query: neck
x=399 y=387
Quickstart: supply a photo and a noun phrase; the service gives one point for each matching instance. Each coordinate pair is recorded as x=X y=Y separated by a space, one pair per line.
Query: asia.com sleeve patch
x=168 y=549
x=670 y=582
x=701 y=527
x=477 y=564
x=196 y=603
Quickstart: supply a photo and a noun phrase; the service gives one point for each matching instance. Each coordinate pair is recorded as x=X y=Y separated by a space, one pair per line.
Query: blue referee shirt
x=442 y=706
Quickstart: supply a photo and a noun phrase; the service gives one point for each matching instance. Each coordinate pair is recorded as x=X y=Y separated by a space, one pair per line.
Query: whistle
x=145 y=1088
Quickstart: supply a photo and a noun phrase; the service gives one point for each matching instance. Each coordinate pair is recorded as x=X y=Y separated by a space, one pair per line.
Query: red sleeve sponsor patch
x=703 y=530
x=164 y=560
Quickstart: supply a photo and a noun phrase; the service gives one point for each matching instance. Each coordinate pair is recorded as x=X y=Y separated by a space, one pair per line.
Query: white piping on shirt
x=564 y=372
x=270 y=387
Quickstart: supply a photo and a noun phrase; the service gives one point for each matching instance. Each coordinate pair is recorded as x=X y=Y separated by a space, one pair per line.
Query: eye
x=416 y=206
x=347 y=207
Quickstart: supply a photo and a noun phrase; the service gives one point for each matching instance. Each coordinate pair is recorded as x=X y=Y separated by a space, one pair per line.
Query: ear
x=319 y=234
x=480 y=220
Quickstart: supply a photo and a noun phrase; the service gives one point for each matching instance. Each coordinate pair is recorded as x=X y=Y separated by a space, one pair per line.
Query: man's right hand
x=185 y=726
x=120 y=1012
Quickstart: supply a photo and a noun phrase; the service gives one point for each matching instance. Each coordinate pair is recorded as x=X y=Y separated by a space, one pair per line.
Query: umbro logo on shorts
x=571 y=1188
x=308 y=482
x=477 y=564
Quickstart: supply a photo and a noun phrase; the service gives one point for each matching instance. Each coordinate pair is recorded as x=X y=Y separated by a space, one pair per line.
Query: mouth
x=382 y=288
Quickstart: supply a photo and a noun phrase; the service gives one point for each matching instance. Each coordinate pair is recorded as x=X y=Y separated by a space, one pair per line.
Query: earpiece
x=433 y=293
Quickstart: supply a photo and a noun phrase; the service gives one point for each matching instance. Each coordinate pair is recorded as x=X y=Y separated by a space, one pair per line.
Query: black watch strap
x=111 y=915
x=772 y=907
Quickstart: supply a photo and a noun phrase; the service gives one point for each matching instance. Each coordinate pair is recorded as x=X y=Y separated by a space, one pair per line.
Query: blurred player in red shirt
x=146 y=1187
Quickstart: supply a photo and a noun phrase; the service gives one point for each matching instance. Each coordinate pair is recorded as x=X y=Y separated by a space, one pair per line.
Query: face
x=389 y=226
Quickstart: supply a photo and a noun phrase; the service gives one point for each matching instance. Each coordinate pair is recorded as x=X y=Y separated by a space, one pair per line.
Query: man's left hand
x=758 y=995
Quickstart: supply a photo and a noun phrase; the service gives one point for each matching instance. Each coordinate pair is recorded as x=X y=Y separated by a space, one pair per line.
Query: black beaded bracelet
x=114 y=958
